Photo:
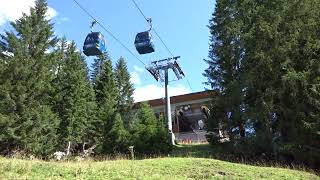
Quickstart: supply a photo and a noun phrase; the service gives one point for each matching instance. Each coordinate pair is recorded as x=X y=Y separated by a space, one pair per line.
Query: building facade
x=189 y=113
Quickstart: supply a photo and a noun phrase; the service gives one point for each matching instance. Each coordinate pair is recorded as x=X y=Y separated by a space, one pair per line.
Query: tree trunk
x=68 y=149
x=242 y=130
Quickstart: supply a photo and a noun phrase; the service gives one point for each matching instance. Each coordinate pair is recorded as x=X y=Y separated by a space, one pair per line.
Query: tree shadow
x=194 y=150
x=225 y=152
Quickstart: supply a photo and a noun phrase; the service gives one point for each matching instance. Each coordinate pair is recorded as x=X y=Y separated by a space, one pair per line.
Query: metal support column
x=165 y=65
x=168 y=108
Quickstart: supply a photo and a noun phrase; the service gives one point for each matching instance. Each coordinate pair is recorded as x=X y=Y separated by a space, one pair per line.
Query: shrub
x=149 y=135
x=118 y=137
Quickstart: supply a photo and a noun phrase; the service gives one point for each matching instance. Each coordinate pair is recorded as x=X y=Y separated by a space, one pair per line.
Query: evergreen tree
x=106 y=98
x=97 y=67
x=276 y=44
x=118 y=137
x=125 y=89
x=74 y=98
x=162 y=143
x=298 y=112
x=27 y=119
x=281 y=76
x=225 y=66
x=149 y=135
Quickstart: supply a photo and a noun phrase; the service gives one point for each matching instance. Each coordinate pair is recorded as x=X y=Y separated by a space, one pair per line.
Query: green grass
x=161 y=168
x=198 y=151
x=184 y=163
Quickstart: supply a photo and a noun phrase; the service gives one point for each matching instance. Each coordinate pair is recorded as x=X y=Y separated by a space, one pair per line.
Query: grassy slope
x=160 y=168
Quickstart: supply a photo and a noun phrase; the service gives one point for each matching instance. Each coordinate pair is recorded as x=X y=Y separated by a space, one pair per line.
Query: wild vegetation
x=184 y=163
x=264 y=68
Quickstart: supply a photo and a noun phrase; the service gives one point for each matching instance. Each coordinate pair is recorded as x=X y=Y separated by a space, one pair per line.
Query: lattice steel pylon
x=155 y=70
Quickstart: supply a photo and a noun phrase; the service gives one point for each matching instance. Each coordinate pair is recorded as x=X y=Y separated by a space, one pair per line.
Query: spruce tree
x=278 y=44
x=125 y=88
x=97 y=67
x=30 y=124
x=149 y=135
x=281 y=76
x=225 y=69
x=298 y=112
x=118 y=138
x=74 y=98
x=106 y=97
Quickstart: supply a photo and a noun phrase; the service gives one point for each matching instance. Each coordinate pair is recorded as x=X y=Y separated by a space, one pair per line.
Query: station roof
x=181 y=98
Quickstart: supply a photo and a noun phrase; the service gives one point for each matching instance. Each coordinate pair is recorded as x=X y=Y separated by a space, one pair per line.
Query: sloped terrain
x=159 y=168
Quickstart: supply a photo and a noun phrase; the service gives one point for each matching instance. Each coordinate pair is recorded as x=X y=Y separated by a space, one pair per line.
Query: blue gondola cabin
x=144 y=43
x=94 y=44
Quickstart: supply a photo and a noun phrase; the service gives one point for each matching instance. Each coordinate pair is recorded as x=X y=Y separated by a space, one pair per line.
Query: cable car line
x=189 y=84
x=109 y=32
x=114 y=37
x=170 y=52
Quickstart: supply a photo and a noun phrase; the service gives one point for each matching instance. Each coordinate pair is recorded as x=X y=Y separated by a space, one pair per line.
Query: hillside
x=160 y=168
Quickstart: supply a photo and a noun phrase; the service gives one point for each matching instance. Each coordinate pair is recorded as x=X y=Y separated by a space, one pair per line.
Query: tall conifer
x=106 y=98
x=74 y=98
x=25 y=84
x=125 y=91
x=118 y=138
x=97 y=66
x=276 y=44
x=225 y=65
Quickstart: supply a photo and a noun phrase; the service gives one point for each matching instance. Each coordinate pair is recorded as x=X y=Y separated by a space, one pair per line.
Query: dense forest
x=264 y=62
x=50 y=101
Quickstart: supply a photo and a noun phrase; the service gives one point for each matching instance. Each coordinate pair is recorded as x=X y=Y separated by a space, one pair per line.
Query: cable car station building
x=188 y=115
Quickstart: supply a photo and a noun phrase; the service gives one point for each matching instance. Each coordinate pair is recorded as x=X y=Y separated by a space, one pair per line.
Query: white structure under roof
x=8 y=54
x=188 y=113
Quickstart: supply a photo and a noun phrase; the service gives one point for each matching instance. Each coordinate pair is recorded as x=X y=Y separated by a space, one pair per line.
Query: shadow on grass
x=220 y=152
x=196 y=151
x=223 y=152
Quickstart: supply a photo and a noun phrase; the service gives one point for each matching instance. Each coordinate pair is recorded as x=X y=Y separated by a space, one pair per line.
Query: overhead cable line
x=108 y=31
x=189 y=84
x=164 y=44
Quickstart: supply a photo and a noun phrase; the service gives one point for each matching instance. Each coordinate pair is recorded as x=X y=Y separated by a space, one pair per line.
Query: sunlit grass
x=159 y=168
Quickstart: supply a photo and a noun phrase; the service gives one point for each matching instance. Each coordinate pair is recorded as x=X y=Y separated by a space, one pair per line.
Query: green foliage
x=74 y=99
x=7 y=133
x=125 y=91
x=39 y=135
x=106 y=98
x=225 y=71
x=118 y=137
x=27 y=118
x=264 y=61
x=48 y=100
x=97 y=67
x=149 y=135
x=106 y=90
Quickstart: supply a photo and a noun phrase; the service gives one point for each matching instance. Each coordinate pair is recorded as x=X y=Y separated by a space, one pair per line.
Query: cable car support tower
x=156 y=69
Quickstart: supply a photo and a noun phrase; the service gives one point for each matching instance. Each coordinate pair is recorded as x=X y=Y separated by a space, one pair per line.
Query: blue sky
x=181 y=24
